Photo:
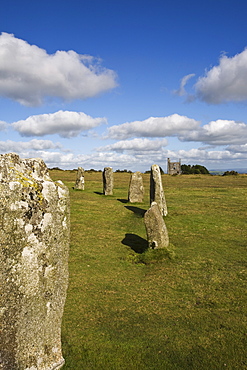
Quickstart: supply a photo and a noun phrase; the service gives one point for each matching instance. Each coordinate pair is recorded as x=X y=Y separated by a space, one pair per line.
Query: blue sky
x=125 y=84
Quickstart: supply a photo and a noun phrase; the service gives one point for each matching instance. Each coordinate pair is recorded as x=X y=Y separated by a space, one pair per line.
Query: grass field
x=128 y=308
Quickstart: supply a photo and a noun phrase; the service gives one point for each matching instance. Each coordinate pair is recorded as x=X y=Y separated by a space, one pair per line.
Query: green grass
x=128 y=308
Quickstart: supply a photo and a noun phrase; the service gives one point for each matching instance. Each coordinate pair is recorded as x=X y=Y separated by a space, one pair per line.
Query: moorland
x=132 y=308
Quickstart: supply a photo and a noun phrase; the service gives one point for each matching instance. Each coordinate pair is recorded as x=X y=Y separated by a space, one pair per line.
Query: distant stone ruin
x=157 y=234
x=156 y=189
x=34 y=246
x=136 y=188
x=80 y=183
x=107 y=181
x=174 y=168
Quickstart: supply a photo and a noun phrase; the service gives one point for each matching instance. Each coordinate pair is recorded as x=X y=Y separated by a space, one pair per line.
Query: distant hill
x=220 y=171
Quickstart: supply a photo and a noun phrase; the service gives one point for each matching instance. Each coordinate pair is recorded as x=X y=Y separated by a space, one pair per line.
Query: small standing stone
x=136 y=188
x=34 y=246
x=79 y=184
x=157 y=234
x=156 y=189
x=108 y=181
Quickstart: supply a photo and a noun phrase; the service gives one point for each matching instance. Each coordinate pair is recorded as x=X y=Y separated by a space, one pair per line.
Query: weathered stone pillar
x=136 y=188
x=79 y=184
x=34 y=244
x=108 y=181
x=156 y=189
x=157 y=234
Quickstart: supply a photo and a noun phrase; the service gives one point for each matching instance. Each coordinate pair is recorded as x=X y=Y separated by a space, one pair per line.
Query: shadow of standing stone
x=34 y=247
x=138 y=211
x=123 y=200
x=135 y=242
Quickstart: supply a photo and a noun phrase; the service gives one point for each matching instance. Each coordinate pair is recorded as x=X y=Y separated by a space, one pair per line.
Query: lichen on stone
x=34 y=241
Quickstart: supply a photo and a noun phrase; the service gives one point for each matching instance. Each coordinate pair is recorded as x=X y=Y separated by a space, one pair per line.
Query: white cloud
x=64 y=123
x=3 y=125
x=220 y=132
x=202 y=156
x=58 y=159
x=181 y=91
x=115 y=160
x=135 y=145
x=20 y=146
x=237 y=148
x=154 y=127
x=28 y=74
x=226 y=81
x=143 y=161
x=138 y=161
x=95 y=160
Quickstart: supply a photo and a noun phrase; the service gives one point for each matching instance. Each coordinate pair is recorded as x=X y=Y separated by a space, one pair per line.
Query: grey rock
x=136 y=188
x=108 y=181
x=156 y=189
x=34 y=247
x=157 y=234
x=80 y=183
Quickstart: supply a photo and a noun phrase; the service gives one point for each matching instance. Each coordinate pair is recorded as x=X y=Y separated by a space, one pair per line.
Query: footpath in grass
x=131 y=309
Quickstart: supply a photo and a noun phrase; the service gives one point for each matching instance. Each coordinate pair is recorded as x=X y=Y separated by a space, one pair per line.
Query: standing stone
x=156 y=189
x=79 y=184
x=136 y=188
x=157 y=235
x=108 y=181
x=34 y=244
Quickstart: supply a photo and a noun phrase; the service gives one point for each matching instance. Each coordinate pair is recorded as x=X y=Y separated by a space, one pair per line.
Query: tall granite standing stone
x=108 y=181
x=156 y=189
x=34 y=245
x=136 y=188
x=79 y=183
x=157 y=234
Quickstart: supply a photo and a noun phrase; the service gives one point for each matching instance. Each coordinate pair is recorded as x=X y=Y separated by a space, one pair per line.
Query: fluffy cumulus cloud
x=142 y=161
x=237 y=148
x=96 y=160
x=220 y=132
x=148 y=146
x=64 y=123
x=20 y=146
x=154 y=127
x=225 y=82
x=111 y=159
x=59 y=159
x=145 y=151
x=135 y=145
x=134 y=161
x=28 y=73
x=214 y=156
